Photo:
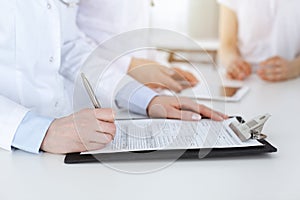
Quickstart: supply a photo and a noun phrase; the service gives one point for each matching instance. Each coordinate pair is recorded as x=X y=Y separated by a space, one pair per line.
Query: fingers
x=181 y=108
x=100 y=128
x=191 y=111
x=80 y=131
x=239 y=70
x=273 y=69
x=183 y=115
x=107 y=128
x=105 y=114
x=270 y=71
x=170 y=83
x=274 y=61
x=246 y=68
x=233 y=72
x=272 y=78
x=272 y=75
x=187 y=76
x=168 y=71
x=183 y=78
x=203 y=110
x=214 y=115
x=192 y=115
x=99 y=138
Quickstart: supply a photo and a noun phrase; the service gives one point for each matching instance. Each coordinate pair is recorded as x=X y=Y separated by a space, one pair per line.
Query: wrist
x=150 y=105
x=137 y=62
x=44 y=144
x=233 y=58
x=229 y=55
x=132 y=64
x=295 y=66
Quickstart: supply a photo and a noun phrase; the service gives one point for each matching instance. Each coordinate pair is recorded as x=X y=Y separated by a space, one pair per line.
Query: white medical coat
x=41 y=52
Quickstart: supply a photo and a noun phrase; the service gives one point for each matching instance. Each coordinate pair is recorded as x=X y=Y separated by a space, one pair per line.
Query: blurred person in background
x=103 y=19
x=262 y=37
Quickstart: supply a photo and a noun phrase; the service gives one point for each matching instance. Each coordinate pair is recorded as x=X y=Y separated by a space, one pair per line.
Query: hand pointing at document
x=181 y=108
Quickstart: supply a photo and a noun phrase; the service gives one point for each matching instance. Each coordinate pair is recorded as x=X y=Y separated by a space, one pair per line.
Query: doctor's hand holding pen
x=155 y=75
x=87 y=130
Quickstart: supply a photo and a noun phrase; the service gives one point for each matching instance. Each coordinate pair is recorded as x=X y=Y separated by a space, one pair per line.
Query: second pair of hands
x=157 y=76
x=273 y=69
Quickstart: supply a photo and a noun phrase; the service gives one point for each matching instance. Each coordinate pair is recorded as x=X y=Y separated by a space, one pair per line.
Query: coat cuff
x=31 y=132
x=10 y=122
x=135 y=97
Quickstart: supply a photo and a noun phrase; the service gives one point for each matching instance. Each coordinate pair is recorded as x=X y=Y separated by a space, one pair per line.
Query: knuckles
x=113 y=129
x=86 y=111
x=109 y=138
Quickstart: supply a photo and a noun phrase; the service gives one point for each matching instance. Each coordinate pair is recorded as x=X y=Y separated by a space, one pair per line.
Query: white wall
x=203 y=18
x=197 y=18
x=170 y=14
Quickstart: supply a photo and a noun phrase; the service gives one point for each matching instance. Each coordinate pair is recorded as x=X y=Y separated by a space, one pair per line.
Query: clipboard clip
x=251 y=129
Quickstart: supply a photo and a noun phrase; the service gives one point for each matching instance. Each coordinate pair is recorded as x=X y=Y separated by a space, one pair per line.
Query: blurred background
x=196 y=18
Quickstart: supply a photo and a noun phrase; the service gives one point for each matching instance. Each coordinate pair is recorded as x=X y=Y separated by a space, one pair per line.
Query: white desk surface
x=277 y=176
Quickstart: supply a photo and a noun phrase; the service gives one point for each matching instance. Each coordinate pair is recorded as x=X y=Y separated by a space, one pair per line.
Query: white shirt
x=41 y=53
x=267 y=28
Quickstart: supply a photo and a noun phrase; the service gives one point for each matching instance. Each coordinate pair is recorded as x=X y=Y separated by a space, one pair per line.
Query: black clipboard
x=189 y=154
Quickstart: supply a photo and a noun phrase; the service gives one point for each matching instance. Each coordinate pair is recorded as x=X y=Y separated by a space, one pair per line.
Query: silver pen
x=90 y=91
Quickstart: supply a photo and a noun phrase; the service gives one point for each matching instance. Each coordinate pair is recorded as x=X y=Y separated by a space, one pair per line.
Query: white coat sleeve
x=11 y=115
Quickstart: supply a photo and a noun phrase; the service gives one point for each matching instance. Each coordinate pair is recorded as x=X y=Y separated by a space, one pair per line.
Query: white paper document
x=160 y=134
